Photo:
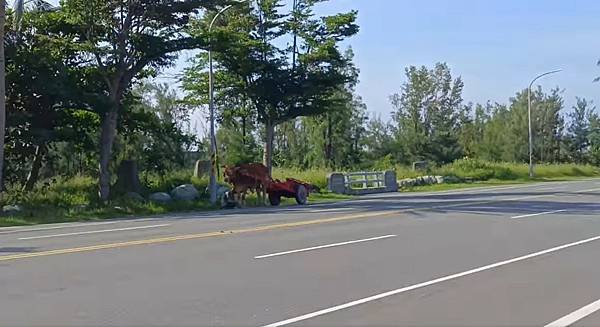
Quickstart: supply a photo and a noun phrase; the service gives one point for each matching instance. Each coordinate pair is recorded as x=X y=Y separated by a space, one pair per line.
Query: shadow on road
x=18 y=249
x=499 y=204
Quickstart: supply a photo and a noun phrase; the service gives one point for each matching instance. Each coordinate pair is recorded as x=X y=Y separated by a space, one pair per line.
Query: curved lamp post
x=211 y=107
x=531 y=172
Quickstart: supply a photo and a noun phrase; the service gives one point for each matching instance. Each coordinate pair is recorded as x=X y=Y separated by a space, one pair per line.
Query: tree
x=579 y=130
x=428 y=109
x=380 y=142
x=37 y=89
x=332 y=139
x=122 y=40
x=472 y=125
x=594 y=137
x=3 y=90
x=154 y=129
x=281 y=82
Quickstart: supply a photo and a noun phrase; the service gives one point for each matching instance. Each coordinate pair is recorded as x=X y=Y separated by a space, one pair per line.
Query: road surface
x=522 y=255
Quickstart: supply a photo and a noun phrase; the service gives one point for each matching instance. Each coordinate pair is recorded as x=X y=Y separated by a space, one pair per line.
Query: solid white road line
x=323 y=247
x=93 y=232
x=70 y=225
x=428 y=283
x=573 y=317
x=590 y=190
x=330 y=210
x=538 y=214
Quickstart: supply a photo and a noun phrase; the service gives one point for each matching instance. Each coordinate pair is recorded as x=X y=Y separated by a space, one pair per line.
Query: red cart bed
x=291 y=188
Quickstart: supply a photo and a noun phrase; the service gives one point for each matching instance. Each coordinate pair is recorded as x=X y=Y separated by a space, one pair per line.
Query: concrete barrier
x=359 y=183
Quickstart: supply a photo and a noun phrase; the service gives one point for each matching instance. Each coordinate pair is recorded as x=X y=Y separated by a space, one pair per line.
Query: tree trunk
x=32 y=178
x=128 y=178
x=329 y=143
x=244 y=130
x=2 y=93
x=107 y=138
x=268 y=147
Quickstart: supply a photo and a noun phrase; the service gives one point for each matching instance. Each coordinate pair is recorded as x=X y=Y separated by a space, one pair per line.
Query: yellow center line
x=246 y=230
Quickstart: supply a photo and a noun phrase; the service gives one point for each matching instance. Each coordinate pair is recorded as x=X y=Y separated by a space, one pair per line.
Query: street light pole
x=211 y=108
x=531 y=173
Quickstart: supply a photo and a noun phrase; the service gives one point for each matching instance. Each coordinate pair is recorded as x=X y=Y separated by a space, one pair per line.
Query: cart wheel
x=274 y=199
x=301 y=195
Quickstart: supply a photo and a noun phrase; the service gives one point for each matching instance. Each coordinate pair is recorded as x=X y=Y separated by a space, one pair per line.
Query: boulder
x=12 y=209
x=120 y=209
x=451 y=179
x=407 y=182
x=134 y=197
x=439 y=179
x=185 y=192
x=160 y=197
x=431 y=180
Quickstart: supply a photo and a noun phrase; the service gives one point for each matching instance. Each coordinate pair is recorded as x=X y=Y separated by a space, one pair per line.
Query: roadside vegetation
x=91 y=134
x=75 y=199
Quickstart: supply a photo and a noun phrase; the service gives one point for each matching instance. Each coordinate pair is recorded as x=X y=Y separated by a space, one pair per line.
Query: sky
x=496 y=46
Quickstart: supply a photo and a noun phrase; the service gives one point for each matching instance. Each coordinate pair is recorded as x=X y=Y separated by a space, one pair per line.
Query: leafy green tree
x=154 y=130
x=427 y=111
x=579 y=130
x=336 y=136
x=237 y=147
x=39 y=95
x=379 y=141
x=280 y=82
x=472 y=126
x=124 y=40
x=594 y=137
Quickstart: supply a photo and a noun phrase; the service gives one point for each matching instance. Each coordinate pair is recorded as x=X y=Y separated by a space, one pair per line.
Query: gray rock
x=134 y=196
x=407 y=182
x=120 y=209
x=451 y=179
x=160 y=197
x=12 y=209
x=439 y=179
x=185 y=192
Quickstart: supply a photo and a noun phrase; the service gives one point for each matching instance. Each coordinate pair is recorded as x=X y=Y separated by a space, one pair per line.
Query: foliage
x=481 y=170
x=120 y=41
x=277 y=82
x=428 y=109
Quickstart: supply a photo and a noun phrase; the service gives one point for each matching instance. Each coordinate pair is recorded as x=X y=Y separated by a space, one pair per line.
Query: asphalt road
x=505 y=256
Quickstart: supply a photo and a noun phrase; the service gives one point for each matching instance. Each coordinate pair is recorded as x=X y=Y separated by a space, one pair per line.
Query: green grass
x=479 y=170
x=317 y=177
x=75 y=199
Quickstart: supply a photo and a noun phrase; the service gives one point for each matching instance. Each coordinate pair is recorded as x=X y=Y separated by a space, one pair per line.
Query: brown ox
x=248 y=177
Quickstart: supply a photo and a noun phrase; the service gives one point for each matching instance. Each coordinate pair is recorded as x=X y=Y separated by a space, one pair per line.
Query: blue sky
x=496 y=46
